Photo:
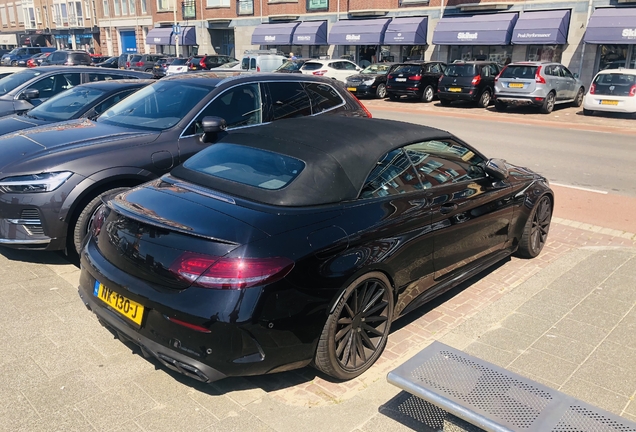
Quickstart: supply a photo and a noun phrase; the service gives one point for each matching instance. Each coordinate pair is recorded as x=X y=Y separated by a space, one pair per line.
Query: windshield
x=12 y=81
x=291 y=65
x=66 y=105
x=246 y=165
x=157 y=107
x=14 y=51
x=179 y=62
x=460 y=70
x=408 y=69
x=381 y=69
x=523 y=72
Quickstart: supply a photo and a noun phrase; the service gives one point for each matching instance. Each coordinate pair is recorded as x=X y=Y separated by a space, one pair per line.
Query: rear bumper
x=626 y=105
x=363 y=90
x=519 y=100
x=464 y=96
x=404 y=92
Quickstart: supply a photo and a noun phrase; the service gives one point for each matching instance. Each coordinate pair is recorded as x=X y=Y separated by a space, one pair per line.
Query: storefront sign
x=629 y=33
x=303 y=38
x=352 y=37
x=158 y=40
x=533 y=35
x=398 y=37
x=270 y=38
x=467 y=36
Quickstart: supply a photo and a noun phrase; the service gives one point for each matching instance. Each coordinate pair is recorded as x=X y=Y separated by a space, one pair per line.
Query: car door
x=559 y=84
x=569 y=83
x=240 y=106
x=48 y=87
x=399 y=235
x=348 y=69
x=470 y=213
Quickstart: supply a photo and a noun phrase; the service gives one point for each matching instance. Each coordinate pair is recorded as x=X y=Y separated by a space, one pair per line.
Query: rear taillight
x=139 y=64
x=258 y=68
x=389 y=77
x=499 y=74
x=439 y=81
x=165 y=66
x=415 y=78
x=366 y=111
x=127 y=64
x=98 y=220
x=538 y=77
x=320 y=72
x=476 y=80
x=593 y=89
x=202 y=63
x=229 y=273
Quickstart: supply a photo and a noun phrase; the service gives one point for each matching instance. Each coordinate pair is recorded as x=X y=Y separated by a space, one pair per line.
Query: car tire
x=428 y=94
x=484 y=99
x=444 y=102
x=380 y=92
x=535 y=232
x=82 y=224
x=14 y=63
x=548 y=104
x=148 y=70
x=588 y=112
x=578 y=100
x=361 y=343
x=500 y=106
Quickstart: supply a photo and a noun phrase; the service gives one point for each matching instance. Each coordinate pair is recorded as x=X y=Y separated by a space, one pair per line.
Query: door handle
x=447 y=208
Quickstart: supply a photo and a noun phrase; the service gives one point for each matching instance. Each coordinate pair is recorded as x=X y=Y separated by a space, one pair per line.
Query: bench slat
x=496 y=399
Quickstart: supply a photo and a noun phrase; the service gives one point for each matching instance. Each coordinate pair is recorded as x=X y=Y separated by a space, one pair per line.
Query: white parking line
x=579 y=188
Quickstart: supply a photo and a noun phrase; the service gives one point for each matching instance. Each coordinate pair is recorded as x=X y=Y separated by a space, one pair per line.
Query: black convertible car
x=275 y=248
x=82 y=101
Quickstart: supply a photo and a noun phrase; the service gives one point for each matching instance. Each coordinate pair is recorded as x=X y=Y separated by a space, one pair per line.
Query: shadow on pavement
x=604 y=114
x=37 y=257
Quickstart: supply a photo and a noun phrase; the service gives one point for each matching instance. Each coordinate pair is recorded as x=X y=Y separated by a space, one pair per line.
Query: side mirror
x=576 y=76
x=30 y=94
x=497 y=168
x=212 y=126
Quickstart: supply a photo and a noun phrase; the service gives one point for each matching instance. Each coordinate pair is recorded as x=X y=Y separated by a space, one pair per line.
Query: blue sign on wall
x=128 y=41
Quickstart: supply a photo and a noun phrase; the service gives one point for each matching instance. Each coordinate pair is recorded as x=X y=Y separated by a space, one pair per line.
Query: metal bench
x=495 y=399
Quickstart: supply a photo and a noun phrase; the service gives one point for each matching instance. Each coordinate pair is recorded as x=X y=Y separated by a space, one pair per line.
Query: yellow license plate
x=351 y=89
x=454 y=89
x=126 y=307
x=515 y=85
x=609 y=102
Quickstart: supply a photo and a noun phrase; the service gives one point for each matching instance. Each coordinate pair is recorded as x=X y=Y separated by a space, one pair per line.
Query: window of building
x=11 y=14
x=131 y=7
x=87 y=9
x=106 y=8
x=20 y=13
x=218 y=3
x=38 y=15
x=30 y=18
x=163 y=5
x=117 y=5
x=3 y=16
x=79 y=12
x=551 y=53
x=317 y=5
x=124 y=7
x=64 y=14
x=189 y=9
x=245 y=7
x=46 y=16
x=494 y=53
x=144 y=7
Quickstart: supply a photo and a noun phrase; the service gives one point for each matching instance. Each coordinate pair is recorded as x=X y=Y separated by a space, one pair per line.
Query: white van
x=262 y=61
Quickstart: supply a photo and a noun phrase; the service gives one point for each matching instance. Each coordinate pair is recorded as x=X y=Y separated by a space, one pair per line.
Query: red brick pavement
x=411 y=334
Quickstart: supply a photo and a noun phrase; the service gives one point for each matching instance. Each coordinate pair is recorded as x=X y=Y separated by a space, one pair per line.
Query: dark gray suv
x=53 y=178
x=68 y=58
x=144 y=62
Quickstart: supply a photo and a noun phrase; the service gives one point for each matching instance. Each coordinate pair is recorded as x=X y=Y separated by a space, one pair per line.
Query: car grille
x=34 y=225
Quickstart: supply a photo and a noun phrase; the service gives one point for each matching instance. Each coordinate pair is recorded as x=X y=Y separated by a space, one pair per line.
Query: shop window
x=498 y=54
x=616 y=56
x=550 y=53
x=318 y=51
x=317 y=5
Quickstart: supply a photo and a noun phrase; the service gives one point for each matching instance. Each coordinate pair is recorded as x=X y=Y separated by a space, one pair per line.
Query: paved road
x=596 y=160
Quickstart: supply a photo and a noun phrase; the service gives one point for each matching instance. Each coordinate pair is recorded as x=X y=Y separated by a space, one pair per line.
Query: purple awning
x=612 y=26
x=188 y=36
x=542 y=27
x=274 y=34
x=358 y=32
x=160 y=36
x=311 y=33
x=487 y=29
x=407 y=31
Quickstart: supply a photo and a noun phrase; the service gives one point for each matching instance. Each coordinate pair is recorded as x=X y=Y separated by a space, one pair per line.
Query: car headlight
x=369 y=82
x=33 y=183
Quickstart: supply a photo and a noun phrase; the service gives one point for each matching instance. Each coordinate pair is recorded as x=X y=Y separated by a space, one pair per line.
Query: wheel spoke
x=374 y=319
x=367 y=340
x=345 y=321
x=347 y=349
x=374 y=330
x=375 y=309
x=375 y=298
x=360 y=348
x=349 y=311
x=341 y=346
x=370 y=289
x=342 y=333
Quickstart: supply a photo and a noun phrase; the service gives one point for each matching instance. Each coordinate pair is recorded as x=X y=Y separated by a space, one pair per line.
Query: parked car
x=144 y=62
x=82 y=101
x=124 y=60
x=22 y=53
x=161 y=66
x=23 y=90
x=37 y=60
x=416 y=80
x=262 y=61
x=57 y=175
x=292 y=66
x=239 y=244
x=207 y=62
x=111 y=63
x=68 y=58
x=472 y=81
x=177 y=66
x=95 y=58
x=540 y=84
x=337 y=69
x=371 y=81
x=612 y=90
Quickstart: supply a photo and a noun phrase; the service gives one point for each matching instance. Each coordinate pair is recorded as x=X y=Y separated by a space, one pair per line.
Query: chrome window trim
x=344 y=102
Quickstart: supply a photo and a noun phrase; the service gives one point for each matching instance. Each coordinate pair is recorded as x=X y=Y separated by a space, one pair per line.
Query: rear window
x=616 y=79
x=179 y=62
x=407 y=69
x=312 y=66
x=135 y=58
x=523 y=72
x=246 y=165
x=460 y=70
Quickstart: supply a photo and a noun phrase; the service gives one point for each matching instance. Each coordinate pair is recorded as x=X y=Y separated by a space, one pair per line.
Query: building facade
x=585 y=35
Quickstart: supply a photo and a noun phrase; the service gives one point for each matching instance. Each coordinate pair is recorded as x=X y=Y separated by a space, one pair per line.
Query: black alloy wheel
x=356 y=332
x=535 y=233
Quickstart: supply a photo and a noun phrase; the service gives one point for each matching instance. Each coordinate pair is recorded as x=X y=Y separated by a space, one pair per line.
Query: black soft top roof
x=339 y=154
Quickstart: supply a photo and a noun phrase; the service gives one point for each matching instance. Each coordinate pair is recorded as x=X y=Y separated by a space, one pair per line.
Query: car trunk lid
x=404 y=76
x=614 y=84
x=519 y=78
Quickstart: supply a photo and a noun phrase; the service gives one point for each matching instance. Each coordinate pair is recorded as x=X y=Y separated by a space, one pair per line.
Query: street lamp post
x=176 y=37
